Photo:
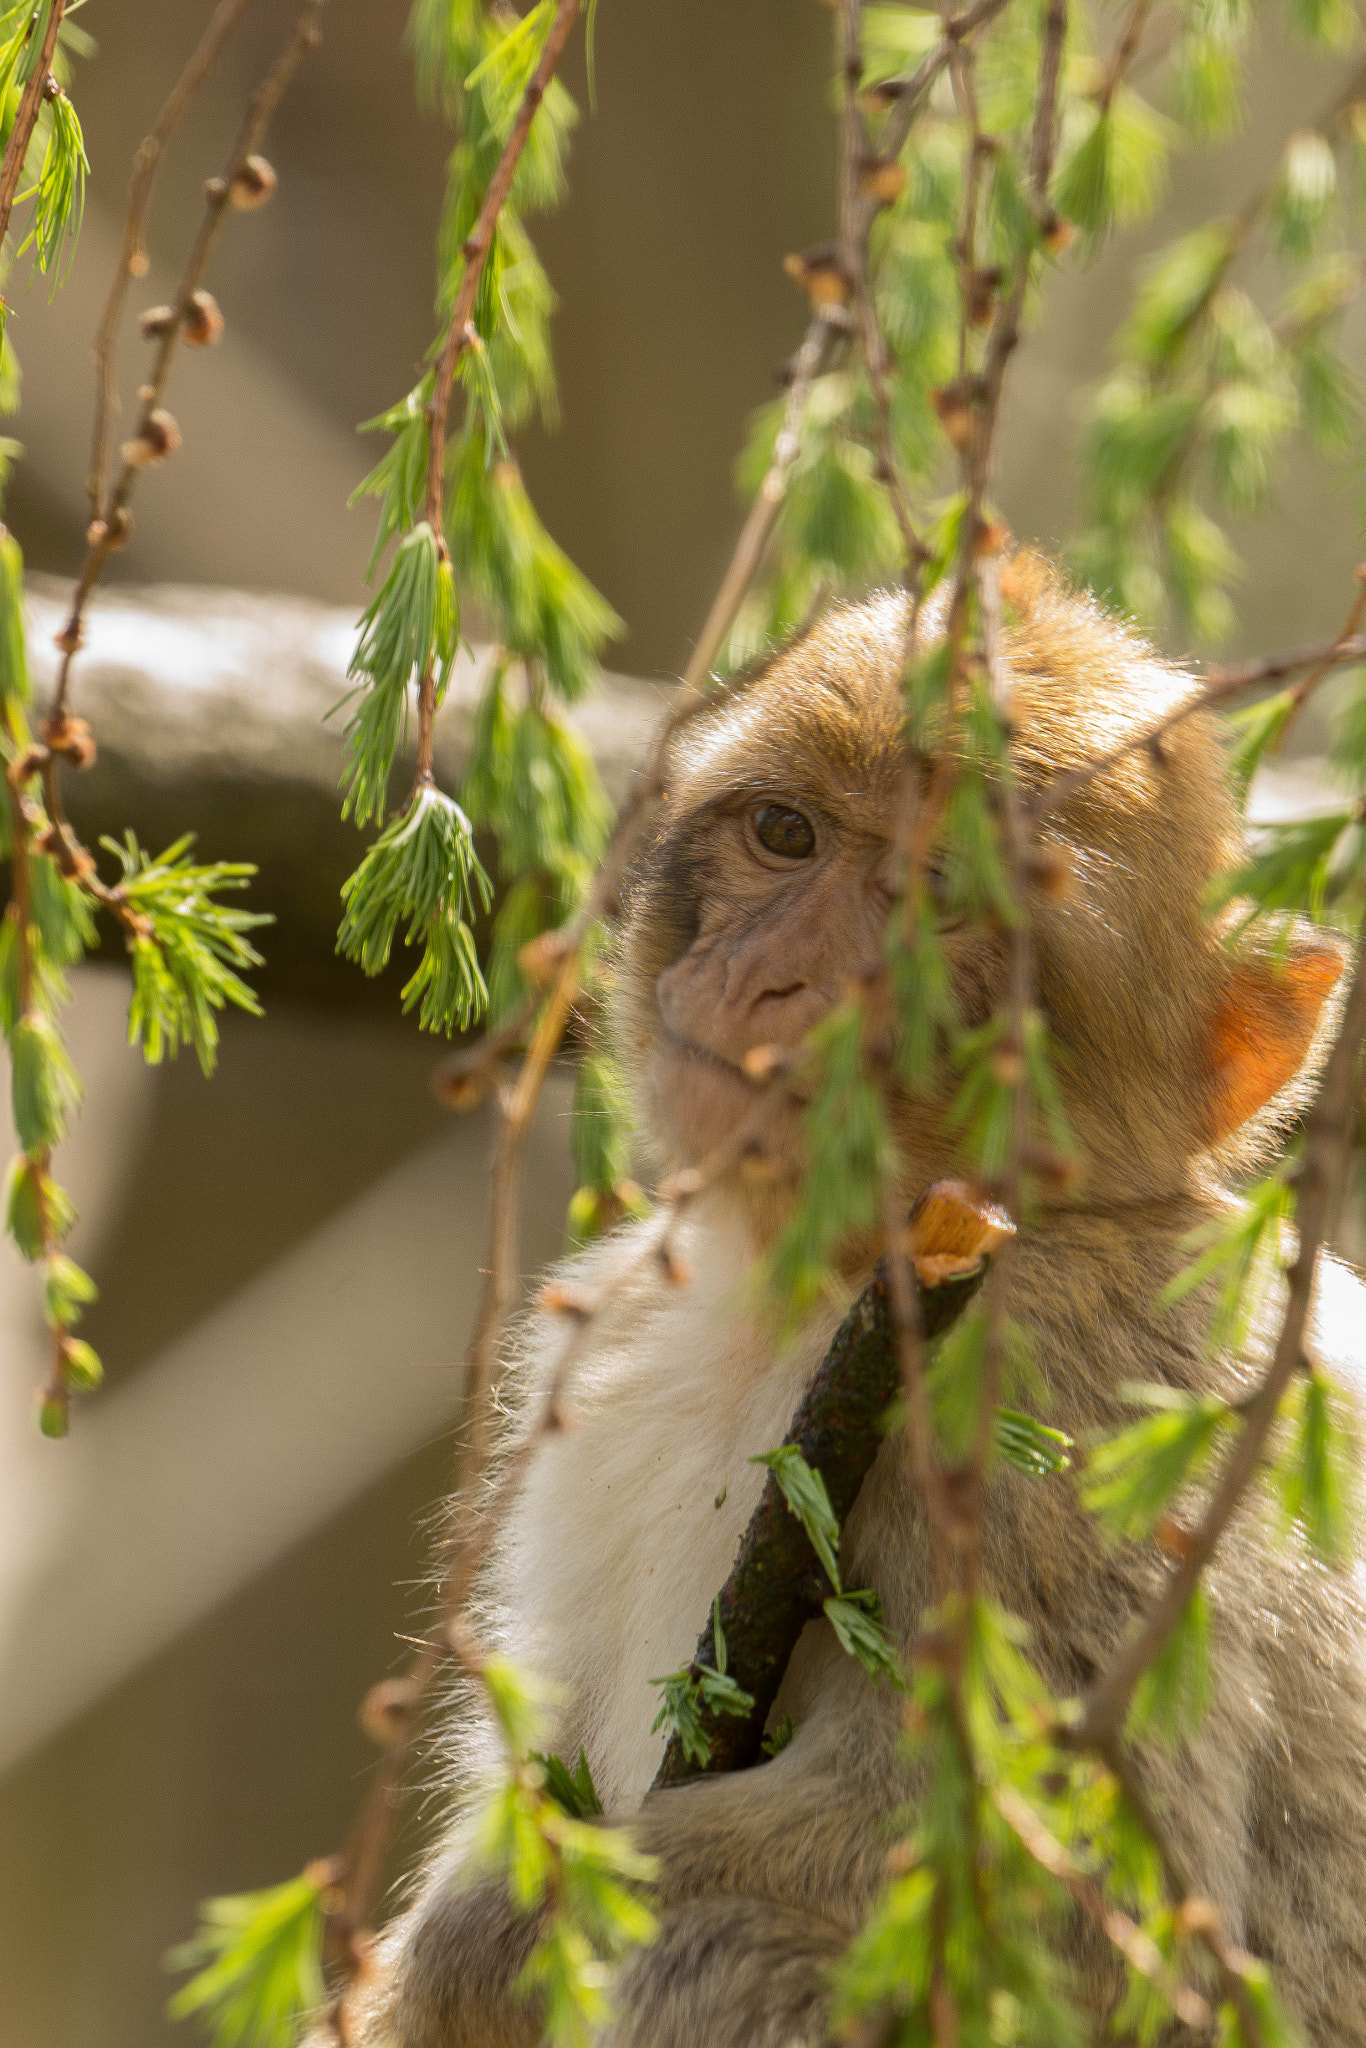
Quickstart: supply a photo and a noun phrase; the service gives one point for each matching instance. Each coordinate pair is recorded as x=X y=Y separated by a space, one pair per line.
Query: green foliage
x=188 y=952
x=422 y=868
x=697 y=1688
x=1031 y=1446
x=59 y=194
x=37 y=1212
x=1115 y=173
x=1242 y=1253
x=67 y=1292
x=776 y=1743
x=572 y=1791
x=861 y=1632
x=1315 y=1472
x=804 y=1491
x=847 y=1152
x=257 y=1960
x=1174 y=1694
x=43 y=1083
x=1131 y=1477
x=410 y=626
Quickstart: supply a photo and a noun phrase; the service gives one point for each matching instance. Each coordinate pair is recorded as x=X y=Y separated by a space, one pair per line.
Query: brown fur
x=766 y=1874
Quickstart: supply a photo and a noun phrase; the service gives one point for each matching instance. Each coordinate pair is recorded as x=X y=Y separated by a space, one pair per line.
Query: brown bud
x=1007 y=1064
x=880 y=98
x=762 y=1062
x=992 y=537
x=72 y=739
x=25 y=765
x=120 y=527
x=822 y=275
x=385 y=1714
x=158 y=438
x=1197 y=1916
x=139 y=263
x=252 y=185
x=203 y=321
x=1058 y=235
x=980 y=289
x=215 y=188
x=70 y=637
x=156 y=321
x=540 y=958
x=881 y=178
x=1171 y=1536
x=957 y=415
x=146 y=393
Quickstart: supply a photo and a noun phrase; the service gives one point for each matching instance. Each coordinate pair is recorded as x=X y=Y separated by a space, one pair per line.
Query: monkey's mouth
x=703 y=1100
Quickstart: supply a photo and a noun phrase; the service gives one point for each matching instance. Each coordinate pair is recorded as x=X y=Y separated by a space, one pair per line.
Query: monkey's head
x=766 y=892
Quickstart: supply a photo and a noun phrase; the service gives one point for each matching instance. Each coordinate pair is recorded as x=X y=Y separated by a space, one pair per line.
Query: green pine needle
x=188 y=960
x=257 y=1960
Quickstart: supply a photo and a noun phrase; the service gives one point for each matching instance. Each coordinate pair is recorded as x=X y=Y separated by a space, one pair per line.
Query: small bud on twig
x=955 y=405
x=158 y=438
x=72 y=739
x=822 y=274
x=386 y=1712
x=203 y=321
x=156 y=321
x=881 y=178
x=252 y=185
x=69 y=637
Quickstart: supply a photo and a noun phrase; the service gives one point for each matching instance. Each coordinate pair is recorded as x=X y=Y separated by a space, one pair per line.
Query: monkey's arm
x=764 y=1875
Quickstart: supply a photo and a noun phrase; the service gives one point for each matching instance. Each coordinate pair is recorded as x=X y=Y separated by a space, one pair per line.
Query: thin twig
x=105 y=531
x=1198 y=1915
x=26 y=120
x=1137 y=1948
x=132 y=261
x=1126 y=50
x=461 y=334
x=1218 y=684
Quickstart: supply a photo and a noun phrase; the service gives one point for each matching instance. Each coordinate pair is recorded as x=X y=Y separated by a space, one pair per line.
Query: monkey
x=763 y=893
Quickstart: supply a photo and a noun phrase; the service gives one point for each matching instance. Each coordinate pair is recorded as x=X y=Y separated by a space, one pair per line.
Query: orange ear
x=1262 y=1028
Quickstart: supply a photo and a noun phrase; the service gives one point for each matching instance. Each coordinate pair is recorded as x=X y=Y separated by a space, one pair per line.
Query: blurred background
x=197 y=1588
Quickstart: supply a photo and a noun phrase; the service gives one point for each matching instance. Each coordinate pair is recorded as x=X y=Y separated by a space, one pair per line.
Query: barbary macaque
x=763 y=895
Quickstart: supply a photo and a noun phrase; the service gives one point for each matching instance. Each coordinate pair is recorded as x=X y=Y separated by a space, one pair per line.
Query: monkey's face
x=785 y=893
x=767 y=891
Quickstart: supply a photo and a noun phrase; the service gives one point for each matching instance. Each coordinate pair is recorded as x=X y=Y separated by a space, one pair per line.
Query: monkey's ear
x=1263 y=1026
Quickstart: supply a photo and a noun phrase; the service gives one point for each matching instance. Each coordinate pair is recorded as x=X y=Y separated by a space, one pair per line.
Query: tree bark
x=776 y=1584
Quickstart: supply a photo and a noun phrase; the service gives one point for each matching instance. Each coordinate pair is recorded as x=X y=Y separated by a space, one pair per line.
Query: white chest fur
x=630 y=1522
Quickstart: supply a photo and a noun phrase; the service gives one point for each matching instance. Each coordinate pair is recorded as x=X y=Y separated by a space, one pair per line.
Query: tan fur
x=628 y=1523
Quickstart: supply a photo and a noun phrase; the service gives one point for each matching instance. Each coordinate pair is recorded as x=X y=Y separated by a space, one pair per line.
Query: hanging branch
x=460 y=335
x=245 y=181
x=132 y=261
x=26 y=120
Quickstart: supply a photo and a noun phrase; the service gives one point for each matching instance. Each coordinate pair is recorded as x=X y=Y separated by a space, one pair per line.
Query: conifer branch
x=132 y=258
x=157 y=435
x=26 y=119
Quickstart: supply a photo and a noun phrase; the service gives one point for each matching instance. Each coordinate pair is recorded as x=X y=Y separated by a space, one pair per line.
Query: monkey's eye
x=785 y=832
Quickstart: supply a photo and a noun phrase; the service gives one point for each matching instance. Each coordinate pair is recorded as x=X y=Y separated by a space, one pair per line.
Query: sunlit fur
x=628 y=1523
